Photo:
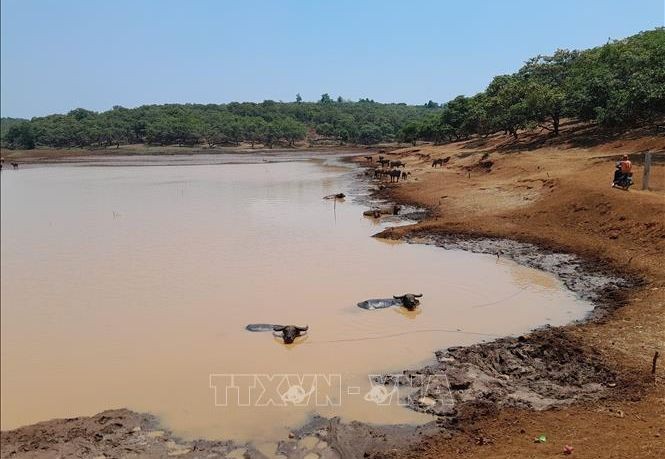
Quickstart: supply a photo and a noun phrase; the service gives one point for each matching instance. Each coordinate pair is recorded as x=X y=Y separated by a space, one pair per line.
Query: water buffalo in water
x=379 y=303
x=288 y=333
x=408 y=301
x=383 y=162
x=397 y=163
x=395 y=174
x=335 y=196
x=386 y=210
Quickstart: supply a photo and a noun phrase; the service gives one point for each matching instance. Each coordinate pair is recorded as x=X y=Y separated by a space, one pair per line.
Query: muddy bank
x=112 y=433
x=125 y=433
x=541 y=370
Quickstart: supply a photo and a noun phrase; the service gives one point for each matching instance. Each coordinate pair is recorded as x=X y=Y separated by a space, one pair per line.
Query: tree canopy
x=267 y=123
x=620 y=84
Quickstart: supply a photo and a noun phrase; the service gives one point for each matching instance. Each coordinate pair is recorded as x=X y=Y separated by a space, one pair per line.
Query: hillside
x=557 y=197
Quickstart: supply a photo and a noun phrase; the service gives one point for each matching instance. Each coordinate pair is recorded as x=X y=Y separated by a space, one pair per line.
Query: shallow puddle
x=131 y=287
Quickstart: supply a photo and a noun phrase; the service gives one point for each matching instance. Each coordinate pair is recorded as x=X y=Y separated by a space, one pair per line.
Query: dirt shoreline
x=57 y=155
x=505 y=391
x=553 y=212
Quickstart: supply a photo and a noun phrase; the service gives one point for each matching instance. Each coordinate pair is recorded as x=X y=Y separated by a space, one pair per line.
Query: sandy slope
x=559 y=197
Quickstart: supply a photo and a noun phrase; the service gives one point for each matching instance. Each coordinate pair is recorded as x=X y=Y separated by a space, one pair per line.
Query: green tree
x=545 y=105
x=411 y=132
x=254 y=129
x=507 y=107
x=271 y=134
x=456 y=115
x=547 y=78
x=620 y=83
x=21 y=135
x=326 y=130
x=7 y=123
x=369 y=134
x=290 y=130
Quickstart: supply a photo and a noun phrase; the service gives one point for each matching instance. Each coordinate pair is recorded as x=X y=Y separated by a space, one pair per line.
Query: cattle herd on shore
x=395 y=169
x=13 y=164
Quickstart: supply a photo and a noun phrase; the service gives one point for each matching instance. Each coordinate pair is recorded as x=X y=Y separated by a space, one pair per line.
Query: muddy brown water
x=127 y=286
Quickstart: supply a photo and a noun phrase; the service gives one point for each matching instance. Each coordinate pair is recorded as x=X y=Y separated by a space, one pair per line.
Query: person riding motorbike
x=623 y=173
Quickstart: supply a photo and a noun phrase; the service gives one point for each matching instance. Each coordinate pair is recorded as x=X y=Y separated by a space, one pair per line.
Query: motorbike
x=622 y=180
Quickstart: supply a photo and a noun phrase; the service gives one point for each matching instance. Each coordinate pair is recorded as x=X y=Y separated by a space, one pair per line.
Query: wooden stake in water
x=335 y=208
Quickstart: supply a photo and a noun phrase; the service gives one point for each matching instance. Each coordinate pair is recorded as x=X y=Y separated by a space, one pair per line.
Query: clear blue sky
x=58 y=55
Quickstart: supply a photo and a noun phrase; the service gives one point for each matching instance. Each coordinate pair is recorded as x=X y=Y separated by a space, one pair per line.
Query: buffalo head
x=290 y=332
x=409 y=300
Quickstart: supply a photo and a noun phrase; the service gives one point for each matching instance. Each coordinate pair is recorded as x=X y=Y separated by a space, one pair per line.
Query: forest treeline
x=267 y=123
x=619 y=85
